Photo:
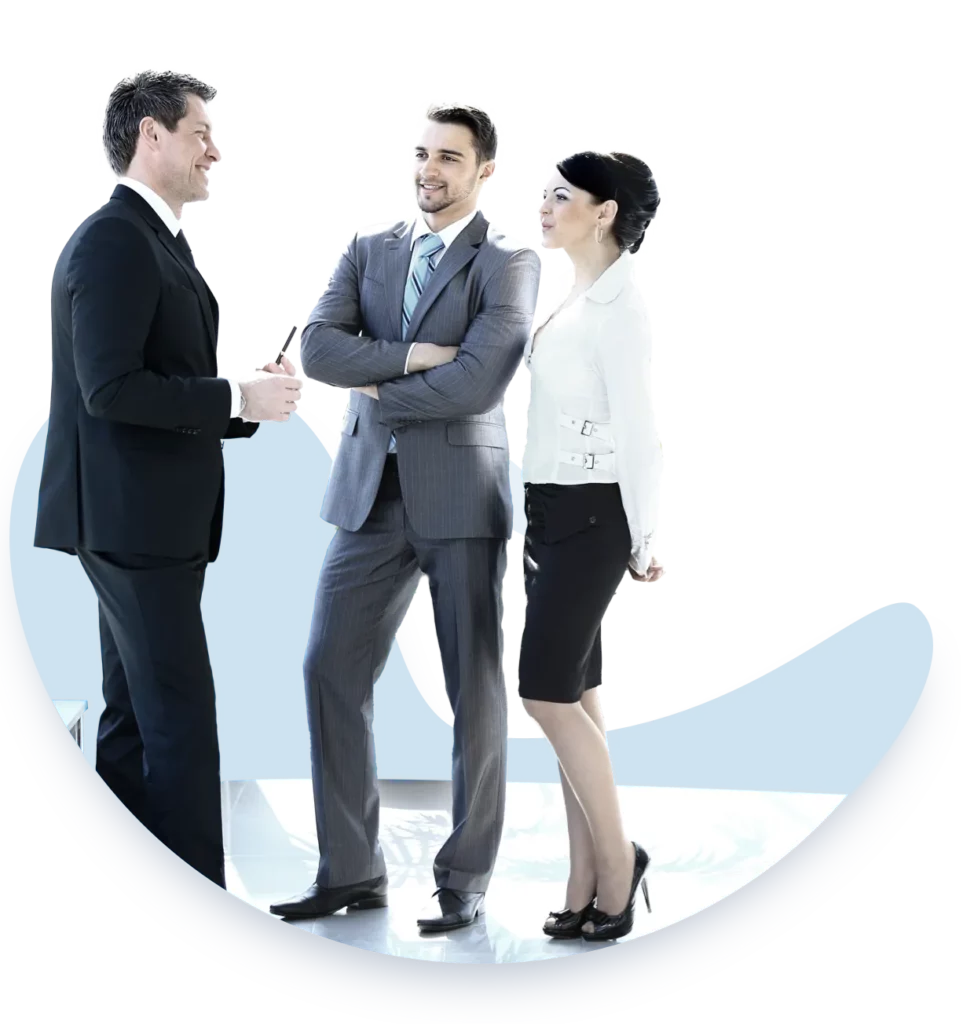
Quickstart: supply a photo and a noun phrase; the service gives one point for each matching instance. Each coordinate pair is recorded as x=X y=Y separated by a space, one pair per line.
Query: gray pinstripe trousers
x=367 y=583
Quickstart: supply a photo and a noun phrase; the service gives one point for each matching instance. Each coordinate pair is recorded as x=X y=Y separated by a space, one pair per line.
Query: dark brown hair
x=484 y=137
x=161 y=95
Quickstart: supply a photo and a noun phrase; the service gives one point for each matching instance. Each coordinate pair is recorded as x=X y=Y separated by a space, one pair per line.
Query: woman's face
x=569 y=215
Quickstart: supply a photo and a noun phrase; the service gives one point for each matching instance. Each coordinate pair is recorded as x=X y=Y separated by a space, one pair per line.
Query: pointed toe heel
x=608 y=927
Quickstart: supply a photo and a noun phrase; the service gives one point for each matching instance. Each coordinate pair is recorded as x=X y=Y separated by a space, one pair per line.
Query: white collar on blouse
x=606 y=288
x=612 y=280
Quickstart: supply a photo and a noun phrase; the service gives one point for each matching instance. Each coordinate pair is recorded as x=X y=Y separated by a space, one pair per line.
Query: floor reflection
x=704 y=845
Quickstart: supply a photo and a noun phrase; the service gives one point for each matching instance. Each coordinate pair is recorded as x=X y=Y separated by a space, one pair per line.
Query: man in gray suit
x=426 y=323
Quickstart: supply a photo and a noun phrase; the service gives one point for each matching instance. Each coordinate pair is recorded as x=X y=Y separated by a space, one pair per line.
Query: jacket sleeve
x=240 y=428
x=333 y=349
x=114 y=286
x=476 y=379
x=624 y=356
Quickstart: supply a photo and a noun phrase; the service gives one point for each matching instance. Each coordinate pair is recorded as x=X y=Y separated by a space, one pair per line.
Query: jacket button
x=592 y=520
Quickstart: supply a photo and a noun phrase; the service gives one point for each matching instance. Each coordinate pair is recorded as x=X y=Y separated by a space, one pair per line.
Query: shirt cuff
x=411 y=349
x=639 y=560
x=235 y=397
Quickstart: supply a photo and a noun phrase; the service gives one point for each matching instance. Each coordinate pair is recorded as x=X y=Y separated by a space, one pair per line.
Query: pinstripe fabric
x=451 y=524
x=429 y=250
x=367 y=582
x=448 y=423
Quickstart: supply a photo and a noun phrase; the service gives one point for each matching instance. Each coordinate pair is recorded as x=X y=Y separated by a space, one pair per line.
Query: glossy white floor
x=704 y=845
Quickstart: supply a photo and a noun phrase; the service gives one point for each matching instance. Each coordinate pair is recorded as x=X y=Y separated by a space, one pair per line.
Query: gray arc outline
x=408 y=988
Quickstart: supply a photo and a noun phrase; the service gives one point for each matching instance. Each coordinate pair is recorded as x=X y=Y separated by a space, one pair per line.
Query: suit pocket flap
x=350 y=421
x=491 y=435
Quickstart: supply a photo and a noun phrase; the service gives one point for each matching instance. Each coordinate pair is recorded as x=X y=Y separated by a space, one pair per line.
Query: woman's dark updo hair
x=623 y=178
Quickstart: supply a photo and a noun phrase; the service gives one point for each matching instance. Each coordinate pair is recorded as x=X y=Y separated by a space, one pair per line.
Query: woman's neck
x=591 y=260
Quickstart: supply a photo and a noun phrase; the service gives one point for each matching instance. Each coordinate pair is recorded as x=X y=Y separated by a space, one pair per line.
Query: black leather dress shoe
x=318 y=902
x=451 y=908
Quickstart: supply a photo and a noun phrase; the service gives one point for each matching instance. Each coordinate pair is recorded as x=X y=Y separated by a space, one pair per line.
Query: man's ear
x=487 y=170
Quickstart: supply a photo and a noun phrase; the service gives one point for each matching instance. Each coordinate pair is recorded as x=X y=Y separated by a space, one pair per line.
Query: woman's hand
x=654 y=573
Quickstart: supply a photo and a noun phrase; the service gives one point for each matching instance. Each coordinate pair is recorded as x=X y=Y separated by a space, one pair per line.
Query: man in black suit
x=133 y=477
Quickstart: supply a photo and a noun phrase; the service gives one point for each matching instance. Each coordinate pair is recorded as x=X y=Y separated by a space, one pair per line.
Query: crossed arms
x=334 y=350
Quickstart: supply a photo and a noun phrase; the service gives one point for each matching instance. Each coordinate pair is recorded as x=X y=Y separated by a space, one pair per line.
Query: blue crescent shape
x=865 y=714
x=817 y=724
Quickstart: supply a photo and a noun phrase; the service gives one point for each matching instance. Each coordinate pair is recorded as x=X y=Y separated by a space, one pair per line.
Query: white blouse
x=590 y=417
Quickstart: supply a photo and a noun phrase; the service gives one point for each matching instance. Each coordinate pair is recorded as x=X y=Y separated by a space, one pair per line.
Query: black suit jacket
x=133 y=460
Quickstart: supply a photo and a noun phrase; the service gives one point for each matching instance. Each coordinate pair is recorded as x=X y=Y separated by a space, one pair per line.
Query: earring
x=598 y=232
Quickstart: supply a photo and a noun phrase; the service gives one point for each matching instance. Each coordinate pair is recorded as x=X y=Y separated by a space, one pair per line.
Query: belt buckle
x=587 y=427
x=588 y=461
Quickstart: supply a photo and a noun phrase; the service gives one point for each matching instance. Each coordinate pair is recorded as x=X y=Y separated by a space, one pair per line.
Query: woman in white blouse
x=591 y=471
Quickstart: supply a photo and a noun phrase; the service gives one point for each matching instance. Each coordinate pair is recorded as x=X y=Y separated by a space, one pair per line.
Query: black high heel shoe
x=606 y=927
x=566 y=924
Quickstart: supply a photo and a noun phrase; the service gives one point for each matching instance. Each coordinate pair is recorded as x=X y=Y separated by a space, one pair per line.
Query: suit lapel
x=463 y=250
x=397 y=257
x=209 y=304
x=197 y=282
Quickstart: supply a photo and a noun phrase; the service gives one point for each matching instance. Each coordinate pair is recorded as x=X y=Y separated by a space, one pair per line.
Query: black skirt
x=577 y=549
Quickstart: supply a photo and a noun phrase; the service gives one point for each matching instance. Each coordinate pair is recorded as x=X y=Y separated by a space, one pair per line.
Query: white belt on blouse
x=586 y=427
x=588 y=460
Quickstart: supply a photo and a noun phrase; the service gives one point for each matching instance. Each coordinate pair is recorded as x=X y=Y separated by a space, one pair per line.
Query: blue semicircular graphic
x=817 y=724
x=779 y=752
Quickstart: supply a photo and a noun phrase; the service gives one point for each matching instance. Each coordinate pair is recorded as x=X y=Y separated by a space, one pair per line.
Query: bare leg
x=593 y=708
x=580 y=747
x=583 y=873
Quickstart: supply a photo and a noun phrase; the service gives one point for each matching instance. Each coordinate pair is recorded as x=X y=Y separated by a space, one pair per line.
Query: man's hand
x=273 y=397
x=426 y=356
x=371 y=390
x=654 y=573
x=286 y=367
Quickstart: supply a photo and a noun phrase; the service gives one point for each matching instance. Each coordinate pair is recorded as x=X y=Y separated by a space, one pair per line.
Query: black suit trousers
x=157 y=737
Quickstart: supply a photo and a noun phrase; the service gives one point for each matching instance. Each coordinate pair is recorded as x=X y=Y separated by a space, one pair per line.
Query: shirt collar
x=612 y=280
x=447 y=235
x=158 y=205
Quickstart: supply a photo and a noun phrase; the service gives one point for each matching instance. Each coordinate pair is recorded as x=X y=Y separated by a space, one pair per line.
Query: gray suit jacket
x=448 y=422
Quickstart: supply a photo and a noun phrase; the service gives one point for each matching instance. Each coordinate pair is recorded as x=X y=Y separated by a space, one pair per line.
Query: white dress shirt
x=173 y=224
x=590 y=417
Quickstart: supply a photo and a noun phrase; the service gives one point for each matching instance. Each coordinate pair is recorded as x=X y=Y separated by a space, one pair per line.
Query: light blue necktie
x=428 y=250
